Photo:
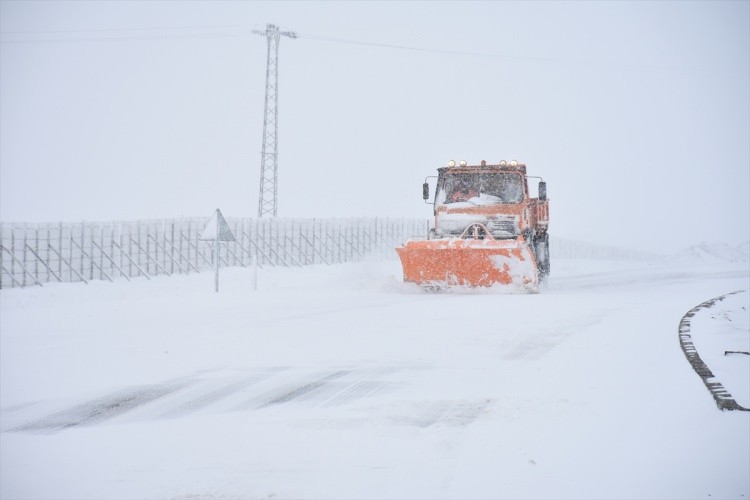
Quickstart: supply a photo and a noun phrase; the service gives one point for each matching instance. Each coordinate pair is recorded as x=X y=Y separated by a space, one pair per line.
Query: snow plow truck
x=488 y=231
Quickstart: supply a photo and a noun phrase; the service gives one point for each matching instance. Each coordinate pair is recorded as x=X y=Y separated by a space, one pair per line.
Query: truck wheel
x=541 y=251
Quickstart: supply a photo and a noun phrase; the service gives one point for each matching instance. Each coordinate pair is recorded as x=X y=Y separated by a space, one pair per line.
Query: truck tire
x=541 y=252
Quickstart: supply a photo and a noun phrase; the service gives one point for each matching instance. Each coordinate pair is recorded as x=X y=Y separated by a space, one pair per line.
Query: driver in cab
x=462 y=192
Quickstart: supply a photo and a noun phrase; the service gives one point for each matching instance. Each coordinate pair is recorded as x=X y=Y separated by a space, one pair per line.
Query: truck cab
x=496 y=196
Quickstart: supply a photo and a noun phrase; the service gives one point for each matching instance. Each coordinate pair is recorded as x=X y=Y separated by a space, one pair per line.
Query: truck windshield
x=487 y=187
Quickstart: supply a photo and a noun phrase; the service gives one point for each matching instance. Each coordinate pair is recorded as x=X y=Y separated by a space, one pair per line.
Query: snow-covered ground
x=342 y=382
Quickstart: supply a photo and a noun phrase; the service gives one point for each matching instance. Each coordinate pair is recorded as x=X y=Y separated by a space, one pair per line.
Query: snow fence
x=33 y=254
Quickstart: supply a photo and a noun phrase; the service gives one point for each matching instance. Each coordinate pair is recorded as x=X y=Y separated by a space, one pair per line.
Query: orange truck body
x=488 y=231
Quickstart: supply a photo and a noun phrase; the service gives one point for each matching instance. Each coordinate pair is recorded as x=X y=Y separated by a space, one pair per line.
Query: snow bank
x=712 y=253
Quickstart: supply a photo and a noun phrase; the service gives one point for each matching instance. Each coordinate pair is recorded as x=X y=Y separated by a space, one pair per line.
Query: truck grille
x=502 y=226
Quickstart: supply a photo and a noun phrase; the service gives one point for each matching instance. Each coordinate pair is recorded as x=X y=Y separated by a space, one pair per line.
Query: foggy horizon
x=637 y=115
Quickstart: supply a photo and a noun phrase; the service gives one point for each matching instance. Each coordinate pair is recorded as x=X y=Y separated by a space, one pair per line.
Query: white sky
x=637 y=114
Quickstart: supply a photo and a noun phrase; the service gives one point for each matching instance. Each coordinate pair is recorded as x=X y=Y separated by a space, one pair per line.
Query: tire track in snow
x=356 y=391
x=722 y=397
x=368 y=384
x=184 y=396
x=304 y=389
x=101 y=409
x=335 y=388
x=213 y=396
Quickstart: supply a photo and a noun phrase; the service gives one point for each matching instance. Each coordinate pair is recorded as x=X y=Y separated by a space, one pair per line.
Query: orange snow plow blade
x=469 y=262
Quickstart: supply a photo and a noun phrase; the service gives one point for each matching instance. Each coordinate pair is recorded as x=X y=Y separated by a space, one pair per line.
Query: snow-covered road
x=342 y=382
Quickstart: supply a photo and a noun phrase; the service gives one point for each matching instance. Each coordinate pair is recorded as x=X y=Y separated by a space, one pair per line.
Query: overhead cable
x=117 y=34
x=421 y=49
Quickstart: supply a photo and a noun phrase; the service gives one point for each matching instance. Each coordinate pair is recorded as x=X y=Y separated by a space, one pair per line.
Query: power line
x=590 y=63
x=110 y=30
x=241 y=29
x=422 y=49
x=119 y=39
x=117 y=34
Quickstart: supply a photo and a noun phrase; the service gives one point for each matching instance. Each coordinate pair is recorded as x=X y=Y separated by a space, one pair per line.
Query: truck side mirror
x=542 y=190
x=425 y=191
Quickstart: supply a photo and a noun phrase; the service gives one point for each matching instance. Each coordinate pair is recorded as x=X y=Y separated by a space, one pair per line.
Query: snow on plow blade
x=469 y=263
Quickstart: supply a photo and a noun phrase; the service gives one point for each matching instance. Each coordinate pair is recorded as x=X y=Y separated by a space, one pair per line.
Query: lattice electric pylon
x=269 y=165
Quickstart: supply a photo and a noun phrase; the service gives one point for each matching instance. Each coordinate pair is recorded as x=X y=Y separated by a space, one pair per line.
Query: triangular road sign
x=217 y=221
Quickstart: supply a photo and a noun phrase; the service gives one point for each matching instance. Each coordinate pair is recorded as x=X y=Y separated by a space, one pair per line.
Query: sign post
x=217 y=230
